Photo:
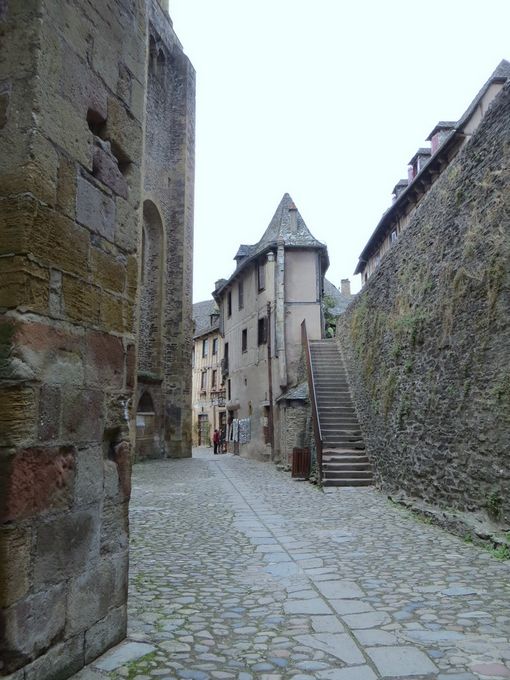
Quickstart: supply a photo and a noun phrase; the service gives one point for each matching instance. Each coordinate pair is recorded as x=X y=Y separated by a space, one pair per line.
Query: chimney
x=219 y=283
x=345 y=287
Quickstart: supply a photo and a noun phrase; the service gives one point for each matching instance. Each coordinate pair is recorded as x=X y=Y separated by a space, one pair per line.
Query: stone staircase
x=344 y=461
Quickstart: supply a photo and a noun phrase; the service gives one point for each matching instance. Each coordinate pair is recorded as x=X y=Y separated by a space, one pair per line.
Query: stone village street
x=237 y=571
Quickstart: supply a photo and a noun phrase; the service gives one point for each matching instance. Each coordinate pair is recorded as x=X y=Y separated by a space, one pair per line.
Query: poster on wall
x=244 y=430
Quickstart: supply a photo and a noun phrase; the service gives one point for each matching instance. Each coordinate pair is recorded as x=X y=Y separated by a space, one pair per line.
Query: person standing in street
x=216 y=441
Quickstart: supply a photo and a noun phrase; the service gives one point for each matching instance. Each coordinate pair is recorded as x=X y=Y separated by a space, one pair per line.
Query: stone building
x=208 y=395
x=446 y=141
x=277 y=284
x=73 y=83
x=163 y=395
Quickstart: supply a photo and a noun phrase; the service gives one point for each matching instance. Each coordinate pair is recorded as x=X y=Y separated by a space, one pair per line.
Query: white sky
x=327 y=100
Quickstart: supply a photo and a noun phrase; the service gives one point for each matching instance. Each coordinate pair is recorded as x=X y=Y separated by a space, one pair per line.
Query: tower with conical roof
x=277 y=283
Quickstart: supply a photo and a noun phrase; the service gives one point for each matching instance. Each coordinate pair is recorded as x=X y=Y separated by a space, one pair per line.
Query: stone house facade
x=208 y=395
x=75 y=188
x=278 y=283
x=447 y=139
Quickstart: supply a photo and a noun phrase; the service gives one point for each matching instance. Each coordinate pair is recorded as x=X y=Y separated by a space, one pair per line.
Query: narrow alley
x=239 y=572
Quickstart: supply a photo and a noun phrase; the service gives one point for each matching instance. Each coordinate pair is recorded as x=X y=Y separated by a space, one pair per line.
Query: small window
x=244 y=340
x=229 y=390
x=214 y=379
x=215 y=346
x=262 y=331
x=393 y=236
x=205 y=347
x=261 y=275
x=203 y=381
x=240 y=289
x=229 y=303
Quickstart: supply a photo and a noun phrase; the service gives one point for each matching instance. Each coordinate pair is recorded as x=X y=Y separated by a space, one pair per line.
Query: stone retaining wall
x=427 y=341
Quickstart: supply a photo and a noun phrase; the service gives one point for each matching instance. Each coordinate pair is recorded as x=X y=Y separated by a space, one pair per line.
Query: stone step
x=345 y=413
x=339 y=443
x=347 y=482
x=328 y=467
x=343 y=474
x=333 y=451
x=346 y=460
x=333 y=433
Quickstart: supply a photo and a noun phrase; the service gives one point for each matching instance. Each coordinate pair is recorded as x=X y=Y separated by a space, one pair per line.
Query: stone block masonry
x=427 y=341
x=166 y=320
x=72 y=83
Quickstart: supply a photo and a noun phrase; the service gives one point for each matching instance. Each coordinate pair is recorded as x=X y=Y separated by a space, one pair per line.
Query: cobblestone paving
x=239 y=572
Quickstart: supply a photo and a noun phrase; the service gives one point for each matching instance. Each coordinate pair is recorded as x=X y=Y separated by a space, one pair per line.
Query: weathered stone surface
x=54 y=354
x=18 y=420
x=427 y=340
x=50 y=404
x=66 y=187
x=401 y=661
x=340 y=589
x=105 y=633
x=31 y=626
x=104 y=360
x=124 y=653
x=114 y=525
x=107 y=272
x=105 y=168
x=15 y=547
x=59 y=663
x=39 y=480
x=95 y=209
x=82 y=415
x=65 y=544
x=23 y=279
x=89 y=480
x=93 y=594
x=81 y=301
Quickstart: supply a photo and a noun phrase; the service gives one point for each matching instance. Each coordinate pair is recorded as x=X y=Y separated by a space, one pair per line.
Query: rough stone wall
x=71 y=115
x=427 y=341
x=293 y=419
x=169 y=189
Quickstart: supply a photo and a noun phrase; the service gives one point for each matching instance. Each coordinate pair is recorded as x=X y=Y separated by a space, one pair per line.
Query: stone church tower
x=95 y=290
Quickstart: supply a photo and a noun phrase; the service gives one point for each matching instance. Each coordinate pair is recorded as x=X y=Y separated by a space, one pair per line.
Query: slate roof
x=500 y=75
x=288 y=226
x=298 y=393
x=441 y=125
x=341 y=300
x=202 y=317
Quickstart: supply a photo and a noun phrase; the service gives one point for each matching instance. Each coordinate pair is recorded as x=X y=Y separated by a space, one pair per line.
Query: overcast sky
x=327 y=100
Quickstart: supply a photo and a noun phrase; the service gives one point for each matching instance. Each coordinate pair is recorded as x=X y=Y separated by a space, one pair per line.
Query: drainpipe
x=270 y=380
x=280 y=313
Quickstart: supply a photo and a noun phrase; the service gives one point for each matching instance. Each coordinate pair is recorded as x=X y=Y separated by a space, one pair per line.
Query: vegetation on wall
x=427 y=341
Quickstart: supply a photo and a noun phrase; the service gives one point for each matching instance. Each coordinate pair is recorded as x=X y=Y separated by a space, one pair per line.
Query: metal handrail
x=313 y=398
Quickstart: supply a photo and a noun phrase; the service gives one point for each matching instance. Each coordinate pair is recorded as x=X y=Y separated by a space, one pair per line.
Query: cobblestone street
x=239 y=572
